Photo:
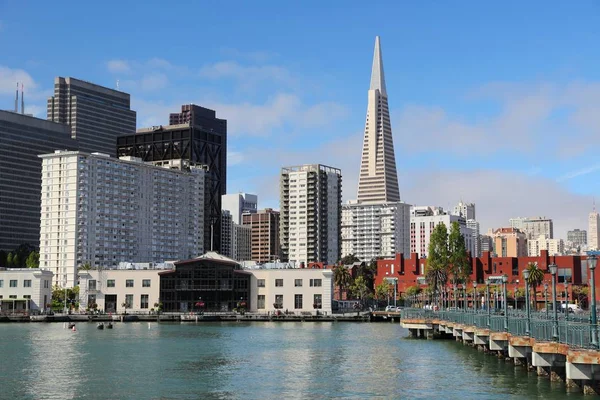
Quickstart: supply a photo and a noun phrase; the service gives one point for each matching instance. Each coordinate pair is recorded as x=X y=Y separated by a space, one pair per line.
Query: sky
x=492 y=103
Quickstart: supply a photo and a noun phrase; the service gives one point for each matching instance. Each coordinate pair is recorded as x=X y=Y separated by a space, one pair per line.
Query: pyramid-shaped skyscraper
x=378 y=180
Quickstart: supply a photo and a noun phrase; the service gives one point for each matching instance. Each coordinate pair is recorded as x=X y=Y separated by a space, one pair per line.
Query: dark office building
x=23 y=138
x=217 y=281
x=198 y=138
x=96 y=115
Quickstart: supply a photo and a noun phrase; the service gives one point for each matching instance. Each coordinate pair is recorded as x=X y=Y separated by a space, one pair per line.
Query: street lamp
x=474 y=296
x=455 y=298
x=504 y=281
x=527 y=309
x=592 y=260
x=546 y=297
x=553 y=268
x=487 y=298
x=516 y=303
x=566 y=300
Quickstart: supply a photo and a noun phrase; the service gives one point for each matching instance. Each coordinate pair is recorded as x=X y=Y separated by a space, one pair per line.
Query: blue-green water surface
x=267 y=360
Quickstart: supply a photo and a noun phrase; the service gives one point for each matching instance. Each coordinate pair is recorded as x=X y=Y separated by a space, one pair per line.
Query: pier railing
x=575 y=332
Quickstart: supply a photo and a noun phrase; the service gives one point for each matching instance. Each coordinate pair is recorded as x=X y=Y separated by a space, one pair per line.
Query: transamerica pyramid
x=378 y=180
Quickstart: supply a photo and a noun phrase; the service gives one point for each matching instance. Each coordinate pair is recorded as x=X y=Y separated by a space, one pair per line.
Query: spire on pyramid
x=377 y=76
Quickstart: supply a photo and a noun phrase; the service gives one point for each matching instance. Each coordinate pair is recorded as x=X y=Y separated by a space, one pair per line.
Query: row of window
x=92 y=283
x=298 y=301
x=128 y=301
x=297 y=282
x=13 y=283
x=14 y=296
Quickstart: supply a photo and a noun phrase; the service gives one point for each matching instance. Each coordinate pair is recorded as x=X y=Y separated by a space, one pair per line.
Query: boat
x=100 y=325
x=109 y=325
x=71 y=325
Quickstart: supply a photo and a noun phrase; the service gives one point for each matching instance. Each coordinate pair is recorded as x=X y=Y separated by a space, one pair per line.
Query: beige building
x=509 y=242
x=296 y=290
x=25 y=289
x=555 y=247
x=594 y=231
x=109 y=289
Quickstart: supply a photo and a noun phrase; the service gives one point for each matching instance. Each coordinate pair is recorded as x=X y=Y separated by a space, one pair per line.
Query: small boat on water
x=109 y=325
x=100 y=325
x=71 y=325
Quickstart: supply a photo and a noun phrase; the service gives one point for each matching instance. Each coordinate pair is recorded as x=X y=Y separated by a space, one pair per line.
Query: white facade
x=424 y=219
x=474 y=226
x=241 y=240
x=465 y=210
x=594 y=231
x=577 y=238
x=310 y=215
x=102 y=211
x=238 y=204
x=554 y=246
x=297 y=290
x=25 y=289
x=375 y=230
x=109 y=289
x=533 y=227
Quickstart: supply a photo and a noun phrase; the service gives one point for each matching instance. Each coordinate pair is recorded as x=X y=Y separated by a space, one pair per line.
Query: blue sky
x=498 y=104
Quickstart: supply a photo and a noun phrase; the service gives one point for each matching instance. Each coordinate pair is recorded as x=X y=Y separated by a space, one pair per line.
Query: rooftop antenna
x=22 y=100
x=117 y=84
x=17 y=99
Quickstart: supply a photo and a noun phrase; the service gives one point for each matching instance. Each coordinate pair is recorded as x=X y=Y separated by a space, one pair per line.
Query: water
x=267 y=360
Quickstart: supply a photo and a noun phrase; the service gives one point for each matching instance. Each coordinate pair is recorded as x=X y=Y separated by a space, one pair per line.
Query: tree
x=580 y=293
x=58 y=297
x=16 y=261
x=460 y=267
x=349 y=259
x=436 y=271
x=33 y=260
x=9 y=260
x=342 y=278
x=85 y=267
x=360 y=289
x=536 y=277
x=382 y=290
x=368 y=272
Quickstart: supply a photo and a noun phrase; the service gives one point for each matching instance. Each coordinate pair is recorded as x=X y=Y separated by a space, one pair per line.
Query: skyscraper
x=465 y=210
x=594 y=230
x=96 y=114
x=265 y=234
x=378 y=180
x=238 y=204
x=311 y=212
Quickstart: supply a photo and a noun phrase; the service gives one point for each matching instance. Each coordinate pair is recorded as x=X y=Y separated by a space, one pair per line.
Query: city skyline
x=467 y=112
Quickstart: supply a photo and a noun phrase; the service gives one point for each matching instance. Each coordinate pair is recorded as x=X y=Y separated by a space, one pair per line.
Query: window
x=46 y=284
x=129 y=283
x=260 y=283
x=13 y=283
x=318 y=301
x=298 y=301
x=279 y=300
x=27 y=296
x=260 y=303
x=278 y=282
x=145 y=283
x=92 y=284
x=1 y=283
x=129 y=300
x=12 y=296
x=316 y=282
x=297 y=282
x=144 y=300
x=27 y=283
x=110 y=283
x=91 y=300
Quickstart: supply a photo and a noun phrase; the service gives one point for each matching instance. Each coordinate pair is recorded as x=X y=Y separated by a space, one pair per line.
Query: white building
x=238 y=204
x=533 y=227
x=465 y=210
x=594 y=231
x=109 y=289
x=474 y=226
x=310 y=218
x=375 y=229
x=424 y=219
x=241 y=240
x=25 y=289
x=296 y=290
x=577 y=238
x=555 y=247
x=100 y=210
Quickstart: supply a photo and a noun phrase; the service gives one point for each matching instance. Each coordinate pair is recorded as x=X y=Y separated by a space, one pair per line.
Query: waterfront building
x=465 y=210
x=311 y=211
x=24 y=137
x=424 y=219
x=25 y=289
x=264 y=226
x=372 y=230
x=533 y=227
x=594 y=230
x=378 y=179
x=555 y=247
x=577 y=237
x=297 y=290
x=95 y=114
x=111 y=289
x=238 y=204
x=212 y=279
x=100 y=211
x=509 y=242
x=198 y=138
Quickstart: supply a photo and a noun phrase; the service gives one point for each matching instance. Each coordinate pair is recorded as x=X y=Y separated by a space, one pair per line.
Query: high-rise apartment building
x=555 y=247
x=265 y=234
x=238 y=204
x=594 y=230
x=378 y=179
x=473 y=225
x=311 y=212
x=375 y=230
x=465 y=210
x=533 y=227
x=241 y=239
x=23 y=138
x=96 y=114
x=509 y=242
x=226 y=234
x=198 y=138
x=101 y=210
x=487 y=243
x=577 y=237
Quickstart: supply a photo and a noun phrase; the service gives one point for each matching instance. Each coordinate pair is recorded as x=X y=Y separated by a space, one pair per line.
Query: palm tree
x=342 y=278
x=536 y=277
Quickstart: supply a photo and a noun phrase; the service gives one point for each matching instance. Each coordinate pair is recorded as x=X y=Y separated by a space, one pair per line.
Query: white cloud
x=154 y=81
x=118 y=66
x=254 y=56
x=234 y=158
x=9 y=78
x=247 y=76
x=579 y=172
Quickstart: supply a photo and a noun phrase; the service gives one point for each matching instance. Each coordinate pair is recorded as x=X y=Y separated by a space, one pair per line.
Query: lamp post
x=553 y=268
x=455 y=298
x=592 y=260
x=464 y=286
x=487 y=301
x=546 y=297
x=516 y=288
x=504 y=282
x=566 y=300
x=474 y=296
x=527 y=309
